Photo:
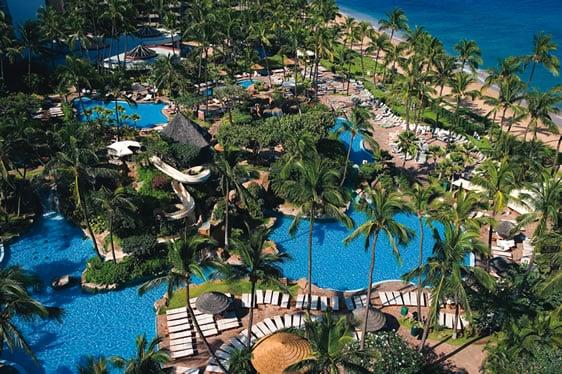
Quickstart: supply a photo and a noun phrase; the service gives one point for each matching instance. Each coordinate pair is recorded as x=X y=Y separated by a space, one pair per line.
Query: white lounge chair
x=275 y=298
x=406 y=298
x=398 y=297
x=335 y=303
x=279 y=322
x=314 y=302
x=383 y=298
x=259 y=297
x=285 y=300
x=323 y=303
x=181 y=341
x=178 y=328
x=246 y=298
x=181 y=334
x=176 y=322
x=267 y=298
x=183 y=353
x=270 y=324
x=288 y=319
x=172 y=317
x=349 y=303
x=300 y=301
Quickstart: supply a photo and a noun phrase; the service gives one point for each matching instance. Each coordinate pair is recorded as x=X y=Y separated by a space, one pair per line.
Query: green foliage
x=140 y=245
x=146 y=176
x=386 y=353
x=184 y=154
x=126 y=271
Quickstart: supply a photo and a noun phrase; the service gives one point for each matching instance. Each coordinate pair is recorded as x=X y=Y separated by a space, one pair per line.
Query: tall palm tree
x=82 y=163
x=51 y=26
x=363 y=29
x=357 y=124
x=543 y=53
x=395 y=21
x=422 y=203
x=148 y=359
x=443 y=68
x=447 y=273
x=540 y=108
x=378 y=42
x=511 y=92
x=261 y=34
x=31 y=39
x=115 y=13
x=76 y=73
x=94 y=365
x=114 y=204
x=460 y=207
x=468 y=54
x=256 y=264
x=408 y=145
x=498 y=180
x=17 y=305
x=381 y=206
x=313 y=185
x=327 y=336
x=186 y=259
x=169 y=74
x=460 y=84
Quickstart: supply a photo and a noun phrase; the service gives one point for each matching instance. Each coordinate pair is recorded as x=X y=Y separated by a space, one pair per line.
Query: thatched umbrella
x=288 y=61
x=140 y=52
x=375 y=321
x=505 y=229
x=256 y=67
x=213 y=302
x=273 y=354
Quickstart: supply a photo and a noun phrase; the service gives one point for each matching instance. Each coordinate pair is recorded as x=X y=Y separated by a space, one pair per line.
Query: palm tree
x=540 y=107
x=148 y=359
x=356 y=124
x=240 y=361
x=511 y=92
x=83 y=165
x=395 y=21
x=261 y=34
x=31 y=39
x=408 y=145
x=381 y=206
x=448 y=274
x=51 y=26
x=468 y=53
x=313 y=185
x=444 y=65
x=327 y=336
x=186 y=259
x=498 y=181
x=169 y=74
x=114 y=204
x=17 y=305
x=460 y=207
x=543 y=53
x=116 y=13
x=378 y=42
x=94 y=365
x=76 y=73
x=363 y=29
x=255 y=264
x=422 y=203
x=460 y=88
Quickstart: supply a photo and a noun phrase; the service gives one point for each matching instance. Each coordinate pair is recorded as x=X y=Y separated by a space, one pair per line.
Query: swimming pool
x=93 y=324
x=150 y=113
x=246 y=83
x=358 y=154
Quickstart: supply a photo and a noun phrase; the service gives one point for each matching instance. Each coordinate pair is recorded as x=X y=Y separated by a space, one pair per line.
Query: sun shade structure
x=256 y=67
x=123 y=148
x=275 y=353
x=213 y=302
x=184 y=131
x=140 y=52
x=375 y=322
x=148 y=32
x=505 y=229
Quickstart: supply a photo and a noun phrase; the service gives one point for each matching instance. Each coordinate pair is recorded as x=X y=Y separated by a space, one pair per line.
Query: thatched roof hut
x=140 y=52
x=375 y=321
x=184 y=131
x=273 y=354
x=213 y=302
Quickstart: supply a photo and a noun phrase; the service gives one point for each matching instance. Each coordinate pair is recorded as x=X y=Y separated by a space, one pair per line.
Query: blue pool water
x=94 y=324
x=358 y=153
x=246 y=83
x=150 y=113
x=501 y=27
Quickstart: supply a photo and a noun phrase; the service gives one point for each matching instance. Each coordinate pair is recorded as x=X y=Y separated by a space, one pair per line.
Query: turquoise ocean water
x=501 y=27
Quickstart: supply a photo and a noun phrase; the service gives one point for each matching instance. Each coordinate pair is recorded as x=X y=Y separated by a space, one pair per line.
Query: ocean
x=501 y=27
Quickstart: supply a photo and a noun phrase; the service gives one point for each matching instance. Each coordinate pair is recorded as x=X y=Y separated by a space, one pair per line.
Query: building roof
x=123 y=148
x=140 y=52
x=184 y=131
x=213 y=302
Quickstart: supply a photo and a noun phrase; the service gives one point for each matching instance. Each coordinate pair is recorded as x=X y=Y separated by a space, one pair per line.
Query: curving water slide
x=195 y=175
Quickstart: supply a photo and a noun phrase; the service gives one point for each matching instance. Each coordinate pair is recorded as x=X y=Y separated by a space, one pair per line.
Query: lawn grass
x=232 y=287
x=440 y=335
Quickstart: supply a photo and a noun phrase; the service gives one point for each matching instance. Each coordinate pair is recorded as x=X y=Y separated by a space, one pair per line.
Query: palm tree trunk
x=432 y=309
x=111 y=240
x=376 y=65
x=311 y=226
x=251 y=316
x=267 y=66
x=532 y=73
x=369 y=290
x=198 y=329
x=455 y=327
x=226 y=214
x=439 y=106
x=86 y=215
x=556 y=161
x=420 y=263
x=347 y=159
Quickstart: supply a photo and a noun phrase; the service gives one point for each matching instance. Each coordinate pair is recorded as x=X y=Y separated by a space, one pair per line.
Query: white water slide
x=195 y=175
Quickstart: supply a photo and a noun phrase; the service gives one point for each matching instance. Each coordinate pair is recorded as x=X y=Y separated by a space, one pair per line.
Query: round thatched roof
x=505 y=229
x=213 y=302
x=375 y=322
x=275 y=353
x=288 y=61
x=256 y=67
x=140 y=52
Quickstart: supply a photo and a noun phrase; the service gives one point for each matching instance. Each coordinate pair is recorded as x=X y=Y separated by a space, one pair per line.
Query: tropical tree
x=327 y=336
x=408 y=145
x=423 y=203
x=540 y=108
x=468 y=54
x=543 y=54
x=395 y=21
x=381 y=206
x=31 y=39
x=148 y=359
x=114 y=204
x=169 y=74
x=443 y=67
x=356 y=124
x=378 y=42
x=256 y=264
x=186 y=259
x=94 y=365
x=313 y=185
x=17 y=305
x=460 y=88
x=511 y=92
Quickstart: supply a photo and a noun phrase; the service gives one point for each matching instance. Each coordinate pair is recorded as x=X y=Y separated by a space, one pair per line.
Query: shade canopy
x=275 y=353
x=148 y=32
x=288 y=61
x=213 y=302
x=140 y=52
x=184 y=131
x=257 y=67
x=505 y=229
x=375 y=321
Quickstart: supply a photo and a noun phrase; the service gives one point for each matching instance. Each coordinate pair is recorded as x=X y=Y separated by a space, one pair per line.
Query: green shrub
x=144 y=244
x=126 y=271
x=184 y=154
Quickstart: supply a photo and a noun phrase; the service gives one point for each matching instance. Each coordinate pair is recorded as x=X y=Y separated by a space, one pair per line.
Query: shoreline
x=481 y=73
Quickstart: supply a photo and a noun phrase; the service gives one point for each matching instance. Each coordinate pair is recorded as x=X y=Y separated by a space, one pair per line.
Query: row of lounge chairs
x=527 y=251
x=403 y=298
x=268 y=297
x=448 y=320
x=318 y=302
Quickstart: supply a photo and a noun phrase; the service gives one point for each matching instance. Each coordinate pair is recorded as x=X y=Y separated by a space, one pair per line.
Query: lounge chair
x=406 y=298
x=357 y=300
x=186 y=340
x=275 y=298
x=179 y=328
x=267 y=298
x=384 y=299
x=260 y=330
x=246 y=299
x=229 y=323
x=279 y=322
x=314 y=302
x=181 y=334
x=175 y=311
x=172 y=317
x=285 y=301
x=180 y=347
x=414 y=298
x=270 y=324
x=398 y=297
x=335 y=303
x=259 y=297
x=323 y=303
x=297 y=320
x=349 y=303
x=300 y=301
x=183 y=353
x=176 y=322
x=236 y=343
